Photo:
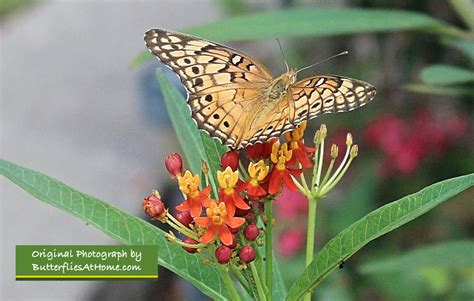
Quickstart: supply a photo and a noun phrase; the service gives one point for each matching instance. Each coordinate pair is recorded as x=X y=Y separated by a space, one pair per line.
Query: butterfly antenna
x=325 y=60
x=283 y=54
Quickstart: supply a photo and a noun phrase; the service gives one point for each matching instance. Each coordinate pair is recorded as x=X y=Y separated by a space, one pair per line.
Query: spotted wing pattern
x=224 y=85
x=319 y=95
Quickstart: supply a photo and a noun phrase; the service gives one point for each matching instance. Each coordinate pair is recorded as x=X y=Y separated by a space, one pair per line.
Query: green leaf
x=316 y=22
x=196 y=145
x=441 y=90
x=117 y=224
x=453 y=254
x=373 y=225
x=463 y=45
x=446 y=75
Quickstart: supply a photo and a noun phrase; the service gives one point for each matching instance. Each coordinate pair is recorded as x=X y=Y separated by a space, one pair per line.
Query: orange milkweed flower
x=217 y=222
x=228 y=193
x=301 y=153
x=196 y=199
x=257 y=172
x=281 y=174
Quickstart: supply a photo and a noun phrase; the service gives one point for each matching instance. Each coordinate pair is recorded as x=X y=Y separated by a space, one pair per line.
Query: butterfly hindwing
x=314 y=96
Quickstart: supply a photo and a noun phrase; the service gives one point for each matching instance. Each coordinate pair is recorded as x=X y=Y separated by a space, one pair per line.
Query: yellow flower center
x=216 y=213
x=294 y=136
x=228 y=179
x=280 y=155
x=257 y=172
x=189 y=184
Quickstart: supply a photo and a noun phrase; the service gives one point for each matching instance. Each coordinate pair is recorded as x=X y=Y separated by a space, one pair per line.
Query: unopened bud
x=324 y=131
x=154 y=207
x=230 y=159
x=251 y=232
x=334 y=151
x=174 y=165
x=247 y=254
x=349 y=139
x=354 y=151
x=223 y=254
x=184 y=217
x=190 y=241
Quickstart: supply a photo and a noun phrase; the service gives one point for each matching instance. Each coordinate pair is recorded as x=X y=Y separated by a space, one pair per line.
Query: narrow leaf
x=117 y=224
x=446 y=75
x=441 y=90
x=310 y=21
x=373 y=225
x=453 y=254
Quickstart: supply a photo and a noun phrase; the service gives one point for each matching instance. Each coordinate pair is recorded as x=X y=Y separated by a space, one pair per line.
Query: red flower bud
x=231 y=158
x=154 y=207
x=174 y=165
x=184 y=217
x=251 y=218
x=247 y=254
x=251 y=232
x=191 y=242
x=223 y=254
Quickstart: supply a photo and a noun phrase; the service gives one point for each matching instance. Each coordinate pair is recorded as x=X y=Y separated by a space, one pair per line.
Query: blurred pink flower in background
x=291 y=207
x=291 y=241
x=406 y=143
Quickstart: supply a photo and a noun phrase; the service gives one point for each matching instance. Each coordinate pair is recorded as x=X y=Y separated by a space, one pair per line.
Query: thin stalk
x=303 y=182
x=315 y=167
x=320 y=164
x=339 y=168
x=261 y=293
x=269 y=249
x=196 y=246
x=328 y=172
x=242 y=280
x=310 y=235
x=300 y=187
x=331 y=185
x=243 y=171
x=175 y=224
x=234 y=295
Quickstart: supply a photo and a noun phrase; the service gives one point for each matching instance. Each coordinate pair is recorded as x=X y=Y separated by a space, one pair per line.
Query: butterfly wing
x=224 y=85
x=319 y=95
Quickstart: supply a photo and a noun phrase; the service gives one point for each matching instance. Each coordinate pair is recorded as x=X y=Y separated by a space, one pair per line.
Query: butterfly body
x=235 y=98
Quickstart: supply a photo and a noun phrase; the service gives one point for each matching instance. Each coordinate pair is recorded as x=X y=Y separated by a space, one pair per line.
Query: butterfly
x=234 y=97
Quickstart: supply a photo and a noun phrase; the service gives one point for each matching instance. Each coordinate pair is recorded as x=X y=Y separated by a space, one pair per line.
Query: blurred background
x=73 y=107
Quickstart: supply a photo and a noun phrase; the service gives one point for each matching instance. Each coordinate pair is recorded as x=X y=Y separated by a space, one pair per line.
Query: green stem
x=260 y=291
x=243 y=171
x=228 y=283
x=310 y=235
x=241 y=278
x=269 y=249
x=175 y=224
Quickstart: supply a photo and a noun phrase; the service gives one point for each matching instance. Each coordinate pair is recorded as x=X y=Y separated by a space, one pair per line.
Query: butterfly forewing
x=224 y=85
x=319 y=95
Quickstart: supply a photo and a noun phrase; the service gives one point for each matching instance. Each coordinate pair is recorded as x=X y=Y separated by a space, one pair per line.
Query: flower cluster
x=228 y=218
x=405 y=144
